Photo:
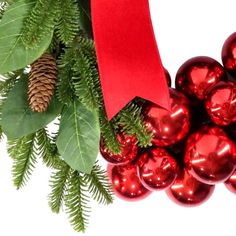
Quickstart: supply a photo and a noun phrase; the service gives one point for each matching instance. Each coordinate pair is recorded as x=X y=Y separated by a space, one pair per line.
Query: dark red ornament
x=157 y=170
x=187 y=191
x=168 y=78
x=210 y=155
x=126 y=183
x=197 y=75
x=128 y=153
x=231 y=183
x=220 y=103
x=171 y=126
x=229 y=54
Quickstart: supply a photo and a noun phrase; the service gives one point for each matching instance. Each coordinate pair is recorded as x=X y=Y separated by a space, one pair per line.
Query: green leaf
x=79 y=135
x=18 y=119
x=13 y=54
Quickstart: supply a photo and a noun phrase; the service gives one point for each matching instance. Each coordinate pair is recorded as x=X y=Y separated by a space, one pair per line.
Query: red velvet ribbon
x=128 y=58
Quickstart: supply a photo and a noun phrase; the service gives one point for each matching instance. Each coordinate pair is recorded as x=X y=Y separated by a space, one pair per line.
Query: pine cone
x=42 y=80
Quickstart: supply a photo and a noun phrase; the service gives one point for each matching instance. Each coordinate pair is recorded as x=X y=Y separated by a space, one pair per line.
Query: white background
x=184 y=28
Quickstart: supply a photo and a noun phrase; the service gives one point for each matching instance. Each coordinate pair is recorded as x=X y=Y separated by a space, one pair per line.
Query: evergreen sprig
x=76 y=201
x=24 y=153
x=41 y=22
x=47 y=149
x=98 y=185
x=64 y=87
x=109 y=133
x=67 y=26
x=132 y=122
x=58 y=183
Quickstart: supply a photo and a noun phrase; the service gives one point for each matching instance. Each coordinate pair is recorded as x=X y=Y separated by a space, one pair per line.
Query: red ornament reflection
x=209 y=155
x=231 y=183
x=187 y=191
x=157 y=169
x=128 y=152
x=221 y=103
x=197 y=75
x=229 y=54
x=171 y=126
x=126 y=183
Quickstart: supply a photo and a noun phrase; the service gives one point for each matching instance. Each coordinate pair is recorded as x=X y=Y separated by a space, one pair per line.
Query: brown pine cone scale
x=42 y=81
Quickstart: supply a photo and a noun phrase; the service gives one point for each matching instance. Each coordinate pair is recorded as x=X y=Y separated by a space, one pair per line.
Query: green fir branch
x=108 y=132
x=98 y=185
x=41 y=22
x=64 y=87
x=132 y=122
x=68 y=23
x=58 y=184
x=24 y=153
x=47 y=150
x=84 y=81
x=76 y=201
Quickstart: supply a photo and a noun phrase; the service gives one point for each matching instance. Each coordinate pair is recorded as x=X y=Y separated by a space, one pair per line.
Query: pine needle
x=58 y=185
x=132 y=123
x=98 y=185
x=67 y=26
x=41 y=22
x=76 y=202
x=23 y=152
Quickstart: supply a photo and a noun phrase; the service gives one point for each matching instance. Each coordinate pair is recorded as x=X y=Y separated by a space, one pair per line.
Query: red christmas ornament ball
x=157 y=169
x=197 y=75
x=220 y=103
x=126 y=183
x=128 y=152
x=168 y=78
x=210 y=155
x=170 y=126
x=231 y=183
x=187 y=191
x=229 y=54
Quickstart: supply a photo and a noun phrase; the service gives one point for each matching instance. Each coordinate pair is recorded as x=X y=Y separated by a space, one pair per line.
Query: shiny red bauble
x=220 y=103
x=126 y=183
x=168 y=78
x=128 y=152
x=231 y=183
x=157 y=170
x=187 y=191
x=229 y=54
x=210 y=155
x=171 y=126
x=197 y=75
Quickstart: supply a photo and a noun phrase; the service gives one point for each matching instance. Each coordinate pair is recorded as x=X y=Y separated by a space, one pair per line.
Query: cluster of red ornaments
x=194 y=144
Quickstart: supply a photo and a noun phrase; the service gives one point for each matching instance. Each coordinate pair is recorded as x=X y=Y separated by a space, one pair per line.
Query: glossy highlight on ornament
x=157 y=170
x=171 y=126
x=229 y=54
x=128 y=151
x=220 y=103
x=197 y=75
x=126 y=183
x=210 y=155
x=189 y=192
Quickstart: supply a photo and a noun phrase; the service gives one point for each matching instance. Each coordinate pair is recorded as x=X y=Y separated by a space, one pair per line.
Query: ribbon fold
x=128 y=57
